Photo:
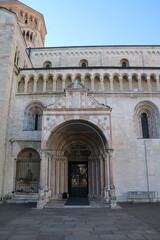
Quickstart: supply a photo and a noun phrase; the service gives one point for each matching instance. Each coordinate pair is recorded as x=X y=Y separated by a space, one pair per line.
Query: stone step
x=22 y=198
x=96 y=203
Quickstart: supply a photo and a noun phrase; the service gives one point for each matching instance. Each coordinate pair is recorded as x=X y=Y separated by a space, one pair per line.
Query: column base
x=41 y=203
x=113 y=204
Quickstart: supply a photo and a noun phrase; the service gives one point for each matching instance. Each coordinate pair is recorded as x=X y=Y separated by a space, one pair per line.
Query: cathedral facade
x=76 y=121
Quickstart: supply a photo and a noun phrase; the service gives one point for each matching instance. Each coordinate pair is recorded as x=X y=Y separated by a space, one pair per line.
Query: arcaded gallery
x=77 y=122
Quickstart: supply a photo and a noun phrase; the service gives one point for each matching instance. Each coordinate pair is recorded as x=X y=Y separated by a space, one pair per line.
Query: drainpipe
x=147 y=173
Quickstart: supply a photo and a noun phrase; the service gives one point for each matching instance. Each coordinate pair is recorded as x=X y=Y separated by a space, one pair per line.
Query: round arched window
x=47 y=64
x=83 y=63
x=124 y=63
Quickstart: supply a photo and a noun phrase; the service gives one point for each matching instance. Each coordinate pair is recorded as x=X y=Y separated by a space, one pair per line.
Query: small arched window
x=36 y=120
x=124 y=63
x=33 y=117
x=147 y=120
x=83 y=63
x=27 y=36
x=144 y=124
x=26 y=19
x=47 y=64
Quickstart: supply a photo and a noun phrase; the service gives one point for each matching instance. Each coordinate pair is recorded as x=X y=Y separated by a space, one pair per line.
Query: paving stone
x=136 y=236
x=106 y=228
x=90 y=224
x=113 y=237
x=82 y=238
x=20 y=237
x=153 y=236
x=53 y=237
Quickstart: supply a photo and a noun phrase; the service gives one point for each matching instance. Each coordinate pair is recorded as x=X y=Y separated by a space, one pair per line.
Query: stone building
x=81 y=121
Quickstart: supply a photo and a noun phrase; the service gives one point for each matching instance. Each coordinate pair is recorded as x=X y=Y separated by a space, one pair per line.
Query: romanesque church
x=76 y=122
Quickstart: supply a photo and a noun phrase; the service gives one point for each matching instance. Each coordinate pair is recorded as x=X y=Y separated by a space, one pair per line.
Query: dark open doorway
x=78 y=179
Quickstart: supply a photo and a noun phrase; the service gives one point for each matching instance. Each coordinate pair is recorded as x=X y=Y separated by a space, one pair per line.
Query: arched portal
x=76 y=152
x=27 y=171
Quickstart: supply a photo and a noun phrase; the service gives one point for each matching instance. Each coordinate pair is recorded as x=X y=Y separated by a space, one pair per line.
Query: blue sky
x=100 y=22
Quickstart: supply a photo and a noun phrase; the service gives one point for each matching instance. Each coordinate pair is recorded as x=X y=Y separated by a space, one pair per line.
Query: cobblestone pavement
x=146 y=212
x=21 y=222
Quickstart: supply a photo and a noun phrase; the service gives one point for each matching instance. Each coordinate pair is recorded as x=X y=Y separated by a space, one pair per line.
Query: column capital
x=36 y=78
x=101 y=78
x=109 y=152
x=148 y=78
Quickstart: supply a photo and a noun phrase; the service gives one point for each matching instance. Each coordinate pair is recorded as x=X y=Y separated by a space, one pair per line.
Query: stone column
x=15 y=169
x=130 y=84
x=82 y=80
x=111 y=84
x=157 y=81
x=49 y=174
x=66 y=175
x=54 y=85
x=90 y=177
x=149 y=83
x=102 y=84
x=94 y=181
x=112 y=195
x=43 y=171
x=59 y=177
x=25 y=85
x=43 y=184
x=98 y=185
x=93 y=178
x=35 y=85
x=53 y=177
x=92 y=84
x=63 y=175
x=139 y=83
x=44 y=84
x=63 y=83
x=102 y=175
x=121 y=83
x=106 y=177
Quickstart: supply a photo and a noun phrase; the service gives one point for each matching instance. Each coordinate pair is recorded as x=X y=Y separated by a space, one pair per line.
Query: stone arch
x=27 y=171
x=30 y=87
x=78 y=77
x=49 y=83
x=93 y=124
x=83 y=63
x=152 y=114
x=135 y=85
x=124 y=62
x=144 y=83
x=87 y=81
x=59 y=80
x=47 y=64
x=153 y=81
x=40 y=80
x=116 y=83
x=106 y=81
x=21 y=84
x=125 y=83
x=68 y=80
x=97 y=82
x=76 y=141
x=33 y=116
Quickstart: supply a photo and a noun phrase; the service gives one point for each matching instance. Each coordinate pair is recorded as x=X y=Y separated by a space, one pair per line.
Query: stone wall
x=140 y=56
x=12 y=56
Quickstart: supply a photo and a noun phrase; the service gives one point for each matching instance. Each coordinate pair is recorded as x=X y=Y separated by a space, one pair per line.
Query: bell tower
x=31 y=22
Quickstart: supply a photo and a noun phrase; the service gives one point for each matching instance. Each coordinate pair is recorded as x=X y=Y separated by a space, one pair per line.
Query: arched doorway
x=27 y=171
x=75 y=149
